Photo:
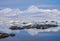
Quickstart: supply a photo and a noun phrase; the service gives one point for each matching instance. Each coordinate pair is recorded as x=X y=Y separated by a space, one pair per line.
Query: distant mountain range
x=32 y=13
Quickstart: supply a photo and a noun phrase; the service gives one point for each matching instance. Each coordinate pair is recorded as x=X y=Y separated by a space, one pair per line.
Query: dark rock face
x=50 y=25
x=4 y=35
x=45 y=26
x=15 y=28
x=28 y=27
x=12 y=35
x=38 y=26
x=20 y=28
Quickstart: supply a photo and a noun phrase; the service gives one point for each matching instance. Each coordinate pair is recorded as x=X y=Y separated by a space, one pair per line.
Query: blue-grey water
x=41 y=36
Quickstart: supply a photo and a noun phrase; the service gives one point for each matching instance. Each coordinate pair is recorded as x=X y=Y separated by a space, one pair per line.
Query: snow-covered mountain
x=32 y=13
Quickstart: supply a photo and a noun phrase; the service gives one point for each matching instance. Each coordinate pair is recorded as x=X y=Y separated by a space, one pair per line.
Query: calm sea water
x=42 y=36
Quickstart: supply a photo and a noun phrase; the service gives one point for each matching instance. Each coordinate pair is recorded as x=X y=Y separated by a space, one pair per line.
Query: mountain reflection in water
x=42 y=36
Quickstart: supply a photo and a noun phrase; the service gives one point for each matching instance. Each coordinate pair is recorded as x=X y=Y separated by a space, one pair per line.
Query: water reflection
x=23 y=35
x=5 y=35
x=51 y=34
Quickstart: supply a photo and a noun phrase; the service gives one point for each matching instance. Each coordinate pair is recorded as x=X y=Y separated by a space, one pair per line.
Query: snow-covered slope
x=32 y=13
x=6 y=10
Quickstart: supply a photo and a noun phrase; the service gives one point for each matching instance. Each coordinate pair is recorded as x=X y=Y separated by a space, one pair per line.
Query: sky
x=24 y=4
